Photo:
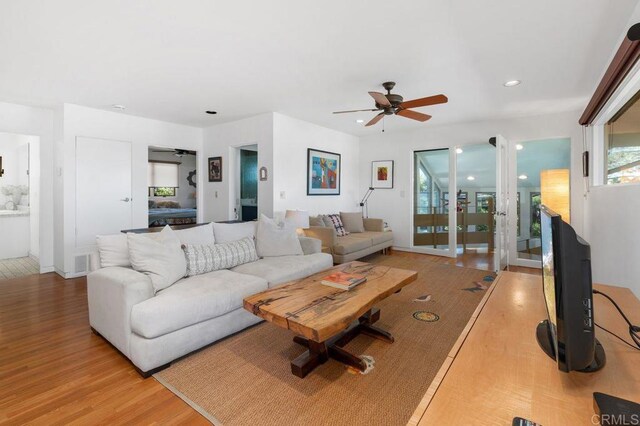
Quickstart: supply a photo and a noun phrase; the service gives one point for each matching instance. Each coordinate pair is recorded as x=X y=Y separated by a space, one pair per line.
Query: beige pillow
x=161 y=257
x=316 y=221
x=277 y=239
x=352 y=222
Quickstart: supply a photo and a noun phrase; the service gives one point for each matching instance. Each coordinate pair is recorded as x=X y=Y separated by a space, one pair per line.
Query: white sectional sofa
x=154 y=328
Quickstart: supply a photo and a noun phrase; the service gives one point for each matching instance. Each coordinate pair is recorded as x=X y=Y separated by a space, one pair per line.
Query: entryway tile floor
x=19 y=267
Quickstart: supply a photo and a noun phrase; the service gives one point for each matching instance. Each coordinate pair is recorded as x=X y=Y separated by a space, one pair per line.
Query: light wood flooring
x=54 y=370
x=19 y=267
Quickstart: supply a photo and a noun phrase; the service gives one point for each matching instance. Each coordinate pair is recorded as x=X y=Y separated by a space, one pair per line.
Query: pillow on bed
x=152 y=204
x=167 y=205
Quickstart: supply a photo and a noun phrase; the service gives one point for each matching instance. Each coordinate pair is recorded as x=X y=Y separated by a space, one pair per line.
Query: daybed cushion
x=225 y=232
x=279 y=270
x=193 y=300
x=160 y=257
x=352 y=243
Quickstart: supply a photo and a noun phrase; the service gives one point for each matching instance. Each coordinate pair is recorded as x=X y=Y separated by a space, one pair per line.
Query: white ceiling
x=479 y=161
x=173 y=60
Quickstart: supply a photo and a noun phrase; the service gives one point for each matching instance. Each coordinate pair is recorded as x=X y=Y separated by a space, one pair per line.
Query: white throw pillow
x=225 y=232
x=161 y=258
x=198 y=235
x=273 y=239
x=114 y=250
x=203 y=258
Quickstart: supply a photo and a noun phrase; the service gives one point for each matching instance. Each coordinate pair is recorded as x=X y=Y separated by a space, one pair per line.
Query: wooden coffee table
x=324 y=318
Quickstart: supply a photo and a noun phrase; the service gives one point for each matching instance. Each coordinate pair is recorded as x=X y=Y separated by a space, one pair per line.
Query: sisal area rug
x=246 y=379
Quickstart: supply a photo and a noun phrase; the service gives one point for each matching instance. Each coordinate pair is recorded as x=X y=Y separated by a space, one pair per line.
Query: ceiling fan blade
x=375 y=119
x=429 y=100
x=380 y=98
x=354 y=110
x=414 y=115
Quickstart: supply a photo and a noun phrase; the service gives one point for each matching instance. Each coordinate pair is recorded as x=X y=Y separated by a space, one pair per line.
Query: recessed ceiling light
x=211 y=112
x=522 y=177
x=118 y=107
x=359 y=121
x=512 y=83
x=459 y=151
x=519 y=147
x=470 y=178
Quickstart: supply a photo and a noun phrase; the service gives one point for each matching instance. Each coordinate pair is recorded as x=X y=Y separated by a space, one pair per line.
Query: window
x=424 y=196
x=534 y=228
x=622 y=144
x=163 y=191
x=482 y=206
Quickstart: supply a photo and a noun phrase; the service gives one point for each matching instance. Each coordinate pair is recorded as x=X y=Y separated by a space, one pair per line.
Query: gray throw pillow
x=352 y=222
x=203 y=258
x=316 y=221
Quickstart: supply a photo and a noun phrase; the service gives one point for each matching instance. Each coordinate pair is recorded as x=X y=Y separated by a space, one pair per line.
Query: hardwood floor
x=54 y=370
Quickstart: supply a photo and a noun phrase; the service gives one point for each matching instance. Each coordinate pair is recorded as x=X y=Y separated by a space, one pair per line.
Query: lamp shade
x=299 y=218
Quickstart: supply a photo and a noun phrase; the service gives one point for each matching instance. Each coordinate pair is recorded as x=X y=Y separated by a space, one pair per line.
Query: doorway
x=246 y=183
x=19 y=205
x=542 y=176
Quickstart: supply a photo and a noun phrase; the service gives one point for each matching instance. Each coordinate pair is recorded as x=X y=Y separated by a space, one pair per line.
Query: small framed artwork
x=323 y=172
x=215 y=169
x=382 y=174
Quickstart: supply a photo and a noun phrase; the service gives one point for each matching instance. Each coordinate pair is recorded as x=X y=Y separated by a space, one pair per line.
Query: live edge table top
x=319 y=312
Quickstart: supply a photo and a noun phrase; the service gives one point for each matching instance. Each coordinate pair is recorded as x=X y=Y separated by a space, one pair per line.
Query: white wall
x=611 y=221
x=223 y=140
x=292 y=137
x=394 y=205
x=142 y=133
x=185 y=192
x=24 y=120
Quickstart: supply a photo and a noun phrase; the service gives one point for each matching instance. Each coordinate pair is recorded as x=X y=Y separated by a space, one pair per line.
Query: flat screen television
x=568 y=334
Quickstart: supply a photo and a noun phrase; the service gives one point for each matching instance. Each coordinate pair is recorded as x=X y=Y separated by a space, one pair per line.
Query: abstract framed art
x=382 y=174
x=323 y=172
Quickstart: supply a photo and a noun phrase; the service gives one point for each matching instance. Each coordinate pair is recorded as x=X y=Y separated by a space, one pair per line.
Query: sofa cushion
x=337 y=224
x=316 y=221
x=196 y=235
x=352 y=243
x=378 y=237
x=225 y=232
x=352 y=222
x=161 y=257
x=279 y=270
x=277 y=239
x=193 y=300
x=114 y=250
x=203 y=258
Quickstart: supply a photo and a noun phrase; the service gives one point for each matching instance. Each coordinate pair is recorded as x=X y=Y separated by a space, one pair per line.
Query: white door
x=103 y=188
x=501 y=254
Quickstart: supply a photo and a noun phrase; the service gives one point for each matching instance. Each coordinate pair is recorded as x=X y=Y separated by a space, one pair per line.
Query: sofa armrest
x=373 y=225
x=111 y=293
x=310 y=245
x=324 y=234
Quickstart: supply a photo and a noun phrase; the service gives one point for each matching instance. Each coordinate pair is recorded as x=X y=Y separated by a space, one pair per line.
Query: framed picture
x=215 y=169
x=382 y=174
x=323 y=172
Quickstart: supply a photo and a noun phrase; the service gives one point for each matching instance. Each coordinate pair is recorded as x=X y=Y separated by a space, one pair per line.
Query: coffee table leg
x=347 y=358
x=316 y=355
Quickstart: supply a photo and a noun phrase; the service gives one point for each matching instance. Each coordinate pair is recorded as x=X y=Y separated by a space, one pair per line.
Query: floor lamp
x=363 y=203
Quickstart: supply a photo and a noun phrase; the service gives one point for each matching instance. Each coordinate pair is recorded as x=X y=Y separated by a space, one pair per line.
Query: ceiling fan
x=177 y=152
x=393 y=104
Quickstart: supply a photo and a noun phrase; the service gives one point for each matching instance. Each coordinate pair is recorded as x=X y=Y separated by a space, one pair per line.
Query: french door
x=501 y=253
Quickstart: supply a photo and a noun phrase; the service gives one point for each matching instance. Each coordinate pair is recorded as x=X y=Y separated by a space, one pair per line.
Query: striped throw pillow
x=337 y=223
x=203 y=258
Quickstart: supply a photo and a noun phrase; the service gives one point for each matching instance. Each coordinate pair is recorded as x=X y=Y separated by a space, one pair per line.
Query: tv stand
x=545 y=340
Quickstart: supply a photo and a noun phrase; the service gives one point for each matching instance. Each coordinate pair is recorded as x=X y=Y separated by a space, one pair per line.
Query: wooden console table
x=496 y=371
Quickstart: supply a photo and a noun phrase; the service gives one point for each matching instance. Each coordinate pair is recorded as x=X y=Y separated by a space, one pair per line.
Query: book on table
x=343 y=280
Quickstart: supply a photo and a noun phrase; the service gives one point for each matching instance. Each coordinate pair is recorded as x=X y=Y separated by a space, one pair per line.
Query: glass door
x=433 y=211
x=501 y=257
